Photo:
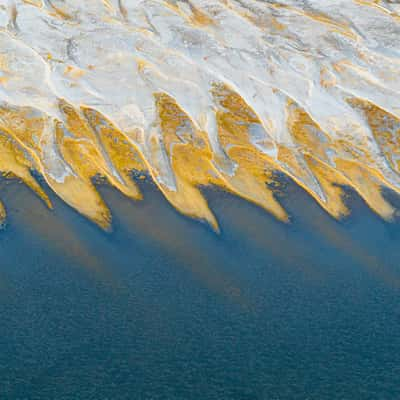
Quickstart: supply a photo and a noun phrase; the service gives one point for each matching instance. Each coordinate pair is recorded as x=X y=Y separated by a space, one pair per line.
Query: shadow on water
x=164 y=308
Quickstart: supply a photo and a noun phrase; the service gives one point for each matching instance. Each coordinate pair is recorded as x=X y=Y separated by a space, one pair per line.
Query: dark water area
x=164 y=308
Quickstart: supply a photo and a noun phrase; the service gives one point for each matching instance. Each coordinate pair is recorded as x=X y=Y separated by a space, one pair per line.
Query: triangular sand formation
x=198 y=93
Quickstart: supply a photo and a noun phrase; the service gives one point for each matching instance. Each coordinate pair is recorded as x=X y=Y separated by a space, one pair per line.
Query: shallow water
x=164 y=308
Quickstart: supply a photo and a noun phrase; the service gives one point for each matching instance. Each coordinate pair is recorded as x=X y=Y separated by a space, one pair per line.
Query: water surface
x=164 y=308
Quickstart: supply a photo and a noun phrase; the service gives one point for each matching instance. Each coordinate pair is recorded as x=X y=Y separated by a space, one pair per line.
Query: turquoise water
x=163 y=308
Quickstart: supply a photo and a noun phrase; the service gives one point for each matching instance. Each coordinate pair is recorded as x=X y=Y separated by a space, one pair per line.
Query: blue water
x=163 y=308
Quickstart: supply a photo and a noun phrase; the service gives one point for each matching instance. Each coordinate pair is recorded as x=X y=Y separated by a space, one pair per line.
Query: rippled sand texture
x=201 y=92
